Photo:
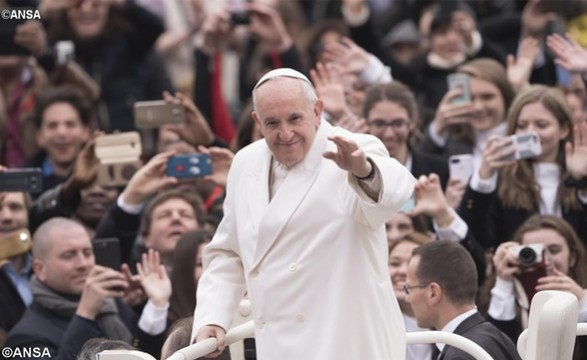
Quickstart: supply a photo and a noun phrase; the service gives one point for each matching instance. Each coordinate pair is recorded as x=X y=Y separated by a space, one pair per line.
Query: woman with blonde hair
x=551 y=183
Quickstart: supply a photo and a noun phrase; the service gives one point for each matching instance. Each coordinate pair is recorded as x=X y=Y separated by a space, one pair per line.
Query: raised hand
x=349 y=55
x=134 y=294
x=576 y=152
x=215 y=32
x=154 y=278
x=221 y=161
x=506 y=264
x=349 y=156
x=569 y=54
x=520 y=69
x=449 y=114
x=330 y=89
x=268 y=26
x=149 y=179
x=32 y=36
x=86 y=166
x=430 y=200
x=195 y=130
x=455 y=189
x=101 y=284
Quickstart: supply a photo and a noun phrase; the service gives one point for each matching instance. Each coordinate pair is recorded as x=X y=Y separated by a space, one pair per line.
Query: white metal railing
x=207 y=346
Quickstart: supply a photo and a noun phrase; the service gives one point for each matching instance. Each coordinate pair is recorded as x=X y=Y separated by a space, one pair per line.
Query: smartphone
x=460 y=81
x=526 y=146
x=239 y=18
x=7 y=32
x=107 y=252
x=153 y=114
x=460 y=167
x=21 y=180
x=14 y=244
x=119 y=157
x=189 y=165
x=64 y=52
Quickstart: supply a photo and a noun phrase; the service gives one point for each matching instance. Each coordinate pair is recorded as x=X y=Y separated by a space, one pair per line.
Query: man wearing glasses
x=442 y=295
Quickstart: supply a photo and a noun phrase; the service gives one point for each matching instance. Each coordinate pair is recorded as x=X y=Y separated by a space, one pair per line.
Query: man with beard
x=62 y=119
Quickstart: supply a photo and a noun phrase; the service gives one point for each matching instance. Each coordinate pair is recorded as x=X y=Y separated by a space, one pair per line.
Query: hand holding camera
x=195 y=130
x=560 y=281
x=506 y=261
x=215 y=32
x=267 y=25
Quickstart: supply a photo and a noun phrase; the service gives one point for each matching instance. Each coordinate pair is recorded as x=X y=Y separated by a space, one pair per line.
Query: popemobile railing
x=551 y=334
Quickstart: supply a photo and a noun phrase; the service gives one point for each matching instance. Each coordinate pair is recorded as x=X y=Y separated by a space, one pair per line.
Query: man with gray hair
x=304 y=234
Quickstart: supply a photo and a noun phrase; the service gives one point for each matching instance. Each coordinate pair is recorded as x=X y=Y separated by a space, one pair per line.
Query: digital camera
x=529 y=255
x=532 y=260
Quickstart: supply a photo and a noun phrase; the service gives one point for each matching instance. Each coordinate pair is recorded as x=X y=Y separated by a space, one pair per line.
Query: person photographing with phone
x=507 y=189
x=544 y=254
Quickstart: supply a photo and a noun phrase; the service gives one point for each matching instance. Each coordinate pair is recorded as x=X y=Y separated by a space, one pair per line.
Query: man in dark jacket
x=73 y=298
x=442 y=295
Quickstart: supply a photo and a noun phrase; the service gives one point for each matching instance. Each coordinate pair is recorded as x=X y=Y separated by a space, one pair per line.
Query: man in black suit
x=441 y=286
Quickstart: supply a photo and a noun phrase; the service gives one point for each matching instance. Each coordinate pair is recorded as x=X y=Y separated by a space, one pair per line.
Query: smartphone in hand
x=153 y=114
x=189 y=165
x=526 y=146
x=460 y=81
x=461 y=167
x=22 y=180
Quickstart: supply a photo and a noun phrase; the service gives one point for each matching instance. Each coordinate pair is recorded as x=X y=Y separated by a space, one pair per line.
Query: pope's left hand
x=349 y=156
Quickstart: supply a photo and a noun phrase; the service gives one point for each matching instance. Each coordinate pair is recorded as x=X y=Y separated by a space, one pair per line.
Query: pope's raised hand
x=349 y=156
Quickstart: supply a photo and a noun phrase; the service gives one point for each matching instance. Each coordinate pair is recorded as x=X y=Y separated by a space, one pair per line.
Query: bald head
x=46 y=235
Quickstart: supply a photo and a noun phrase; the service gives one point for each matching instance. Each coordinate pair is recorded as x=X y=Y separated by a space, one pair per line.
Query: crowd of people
x=331 y=204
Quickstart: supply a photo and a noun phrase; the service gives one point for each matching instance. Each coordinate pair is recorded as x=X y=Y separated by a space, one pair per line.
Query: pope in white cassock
x=304 y=234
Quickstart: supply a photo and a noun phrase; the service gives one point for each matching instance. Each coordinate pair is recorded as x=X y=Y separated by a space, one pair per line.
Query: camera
x=526 y=145
x=529 y=255
x=532 y=260
x=239 y=18
x=23 y=179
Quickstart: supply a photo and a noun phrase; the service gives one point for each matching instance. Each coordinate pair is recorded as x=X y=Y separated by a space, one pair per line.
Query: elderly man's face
x=287 y=119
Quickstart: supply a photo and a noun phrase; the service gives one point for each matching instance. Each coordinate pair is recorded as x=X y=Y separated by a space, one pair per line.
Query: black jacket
x=11 y=305
x=64 y=337
x=493 y=223
x=425 y=164
x=484 y=334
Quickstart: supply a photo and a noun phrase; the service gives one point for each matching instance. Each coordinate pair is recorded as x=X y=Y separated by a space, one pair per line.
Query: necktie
x=435 y=352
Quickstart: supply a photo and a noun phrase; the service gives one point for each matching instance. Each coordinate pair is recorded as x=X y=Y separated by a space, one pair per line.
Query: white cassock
x=313 y=259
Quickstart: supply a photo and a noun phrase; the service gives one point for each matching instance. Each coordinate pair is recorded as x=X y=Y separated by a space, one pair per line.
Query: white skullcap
x=282 y=72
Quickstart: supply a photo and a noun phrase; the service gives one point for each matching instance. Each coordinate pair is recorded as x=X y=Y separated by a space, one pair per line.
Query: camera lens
x=527 y=256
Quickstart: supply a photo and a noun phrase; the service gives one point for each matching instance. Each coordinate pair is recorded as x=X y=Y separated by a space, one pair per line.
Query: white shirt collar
x=454 y=323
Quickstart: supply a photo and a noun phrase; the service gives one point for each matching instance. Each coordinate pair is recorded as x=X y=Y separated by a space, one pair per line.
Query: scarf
x=108 y=320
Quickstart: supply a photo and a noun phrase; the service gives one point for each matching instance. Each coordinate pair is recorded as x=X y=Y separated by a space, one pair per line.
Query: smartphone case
x=153 y=114
x=527 y=146
x=119 y=156
x=461 y=167
x=189 y=165
x=458 y=80
x=25 y=180
x=15 y=244
x=107 y=252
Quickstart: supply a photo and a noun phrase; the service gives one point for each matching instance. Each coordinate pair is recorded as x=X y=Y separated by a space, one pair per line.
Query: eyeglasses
x=407 y=287
x=381 y=125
